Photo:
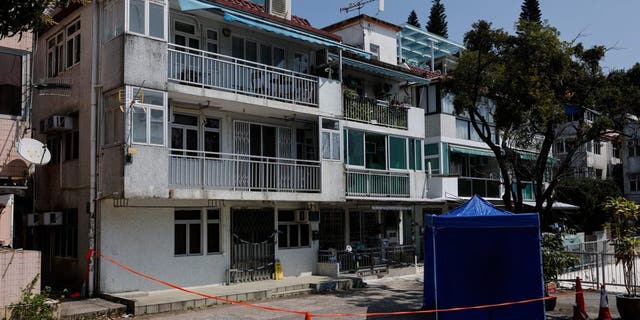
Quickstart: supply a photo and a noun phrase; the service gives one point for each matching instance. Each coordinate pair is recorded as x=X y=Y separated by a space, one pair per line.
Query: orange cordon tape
x=308 y=315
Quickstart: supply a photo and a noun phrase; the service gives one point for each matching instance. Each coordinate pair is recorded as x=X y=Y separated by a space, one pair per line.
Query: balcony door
x=185 y=36
x=267 y=152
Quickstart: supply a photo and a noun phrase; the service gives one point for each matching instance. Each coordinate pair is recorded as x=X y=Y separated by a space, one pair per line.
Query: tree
x=18 y=16
x=521 y=86
x=413 y=19
x=437 y=23
x=588 y=194
x=531 y=11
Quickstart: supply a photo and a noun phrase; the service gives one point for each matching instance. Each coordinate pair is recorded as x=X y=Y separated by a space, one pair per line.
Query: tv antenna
x=358 y=5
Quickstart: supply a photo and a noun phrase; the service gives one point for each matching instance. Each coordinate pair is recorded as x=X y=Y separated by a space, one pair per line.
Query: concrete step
x=292 y=293
x=90 y=309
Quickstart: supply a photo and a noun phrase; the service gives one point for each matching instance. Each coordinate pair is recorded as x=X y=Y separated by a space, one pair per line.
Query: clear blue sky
x=613 y=23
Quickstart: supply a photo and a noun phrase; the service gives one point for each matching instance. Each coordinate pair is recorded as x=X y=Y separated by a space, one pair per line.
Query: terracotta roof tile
x=258 y=10
x=425 y=73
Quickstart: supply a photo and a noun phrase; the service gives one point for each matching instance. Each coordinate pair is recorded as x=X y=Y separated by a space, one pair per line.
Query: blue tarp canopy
x=479 y=255
x=231 y=15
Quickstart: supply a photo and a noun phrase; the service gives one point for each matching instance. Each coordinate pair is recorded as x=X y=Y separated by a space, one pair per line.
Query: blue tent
x=477 y=255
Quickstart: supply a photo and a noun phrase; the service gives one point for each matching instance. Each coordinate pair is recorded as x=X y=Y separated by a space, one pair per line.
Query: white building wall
x=383 y=37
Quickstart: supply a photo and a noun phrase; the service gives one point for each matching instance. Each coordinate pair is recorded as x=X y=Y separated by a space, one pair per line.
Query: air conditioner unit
x=301 y=216
x=34 y=219
x=279 y=8
x=57 y=123
x=52 y=218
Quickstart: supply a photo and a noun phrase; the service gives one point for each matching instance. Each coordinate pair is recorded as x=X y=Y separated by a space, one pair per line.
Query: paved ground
x=396 y=294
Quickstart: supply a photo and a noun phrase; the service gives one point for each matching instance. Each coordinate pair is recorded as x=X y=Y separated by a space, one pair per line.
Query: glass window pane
x=184 y=27
x=186 y=120
x=304 y=235
x=187 y=215
x=150 y=97
x=355 y=148
x=192 y=139
x=195 y=239
x=77 y=47
x=69 y=53
x=136 y=16
x=212 y=123
x=375 y=151
x=418 y=155
x=213 y=214
x=330 y=124
x=177 y=138
x=326 y=145
x=283 y=236
x=252 y=51
x=335 y=146
x=412 y=156
x=237 y=47
x=156 y=20
x=462 y=129
x=139 y=123
x=213 y=237
x=293 y=235
x=157 y=126
x=211 y=141
x=180 y=239
x=278 y=57
x=398 y=153
x=265 y=54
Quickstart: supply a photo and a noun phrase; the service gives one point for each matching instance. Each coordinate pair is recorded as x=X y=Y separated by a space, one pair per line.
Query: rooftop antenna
x=358 y=5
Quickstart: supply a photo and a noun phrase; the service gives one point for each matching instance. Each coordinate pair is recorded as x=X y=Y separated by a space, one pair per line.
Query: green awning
x=472 y=151
x=384 y=71
x=531 y=156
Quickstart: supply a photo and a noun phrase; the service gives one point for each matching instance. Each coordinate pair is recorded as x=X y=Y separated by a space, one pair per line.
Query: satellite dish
x=33 y=151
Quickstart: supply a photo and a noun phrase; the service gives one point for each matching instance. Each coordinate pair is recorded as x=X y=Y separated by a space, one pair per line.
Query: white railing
x=377 y=183
x=210 y=70
x=215 y=170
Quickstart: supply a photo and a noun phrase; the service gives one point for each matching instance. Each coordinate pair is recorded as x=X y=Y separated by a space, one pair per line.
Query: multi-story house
x=15 y=94
x=203 y=140
x=630 y=155
x=597 y=159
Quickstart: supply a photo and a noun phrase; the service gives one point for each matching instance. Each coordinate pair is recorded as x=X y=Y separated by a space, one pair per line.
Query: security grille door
x=253 y=245
x=242 y=146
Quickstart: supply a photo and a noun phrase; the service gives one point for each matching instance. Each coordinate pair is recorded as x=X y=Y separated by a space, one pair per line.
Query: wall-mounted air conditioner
x=279 y=8
x=56 y=123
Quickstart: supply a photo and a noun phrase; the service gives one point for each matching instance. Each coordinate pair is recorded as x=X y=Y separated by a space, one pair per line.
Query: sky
x=612 y=23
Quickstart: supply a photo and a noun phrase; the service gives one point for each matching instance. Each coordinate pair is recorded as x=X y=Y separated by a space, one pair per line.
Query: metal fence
x=370 y=258
x=211 y=70
x=377 y=183
x=215 y=170
x=596 y=265
x=374 y=111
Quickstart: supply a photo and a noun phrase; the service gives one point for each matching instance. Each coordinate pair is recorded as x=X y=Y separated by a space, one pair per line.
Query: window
x=375 y=51
x=397 y=153
x=10 y=84
x=634 y=183
x=212 y=137
x=355 y=148
x=184 y=133
x=55 y=54
x=616 y=150
x=596 y=146
x=633 y=148
x=66 y=235
x=147 y=116
x=212 y=41
x=71 y=145
x=213 y=231
x=147 y=17
x=187 y=232
x=290 y=233
x=330 y=139
x=415 y=154
x=53 y=144
x=113 y=19
x=432 y=157
x=73 y=44
x=462 y=129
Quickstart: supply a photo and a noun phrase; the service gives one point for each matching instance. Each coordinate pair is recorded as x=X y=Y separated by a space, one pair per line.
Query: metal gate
x=253 y=245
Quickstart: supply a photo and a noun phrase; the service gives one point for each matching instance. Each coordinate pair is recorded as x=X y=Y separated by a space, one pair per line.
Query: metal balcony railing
x=211 y=70
x=377 y=183
x=370 y=258
x=376 y=112
x=215 y=170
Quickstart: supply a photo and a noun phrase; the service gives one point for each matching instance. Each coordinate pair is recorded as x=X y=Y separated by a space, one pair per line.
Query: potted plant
x=554 y=261
x=625 y=221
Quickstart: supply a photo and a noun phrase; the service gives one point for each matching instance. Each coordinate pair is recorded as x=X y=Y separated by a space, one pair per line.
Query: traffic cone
x=307 y=316
x=579 y=310
x=604 y=313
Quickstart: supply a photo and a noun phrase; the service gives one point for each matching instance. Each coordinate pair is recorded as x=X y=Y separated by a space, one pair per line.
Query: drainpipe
x=92 y=156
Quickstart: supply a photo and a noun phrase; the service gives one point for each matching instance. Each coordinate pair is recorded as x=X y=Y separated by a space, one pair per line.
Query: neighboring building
x=215 y=138
x=599 y=159
x=15 y=75
x=630 y=155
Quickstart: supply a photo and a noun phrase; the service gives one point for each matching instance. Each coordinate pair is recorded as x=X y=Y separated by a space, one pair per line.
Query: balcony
x=215 y=71
x=240 y=172
x=376 y=112
x=377 y=183
x=486 y=188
